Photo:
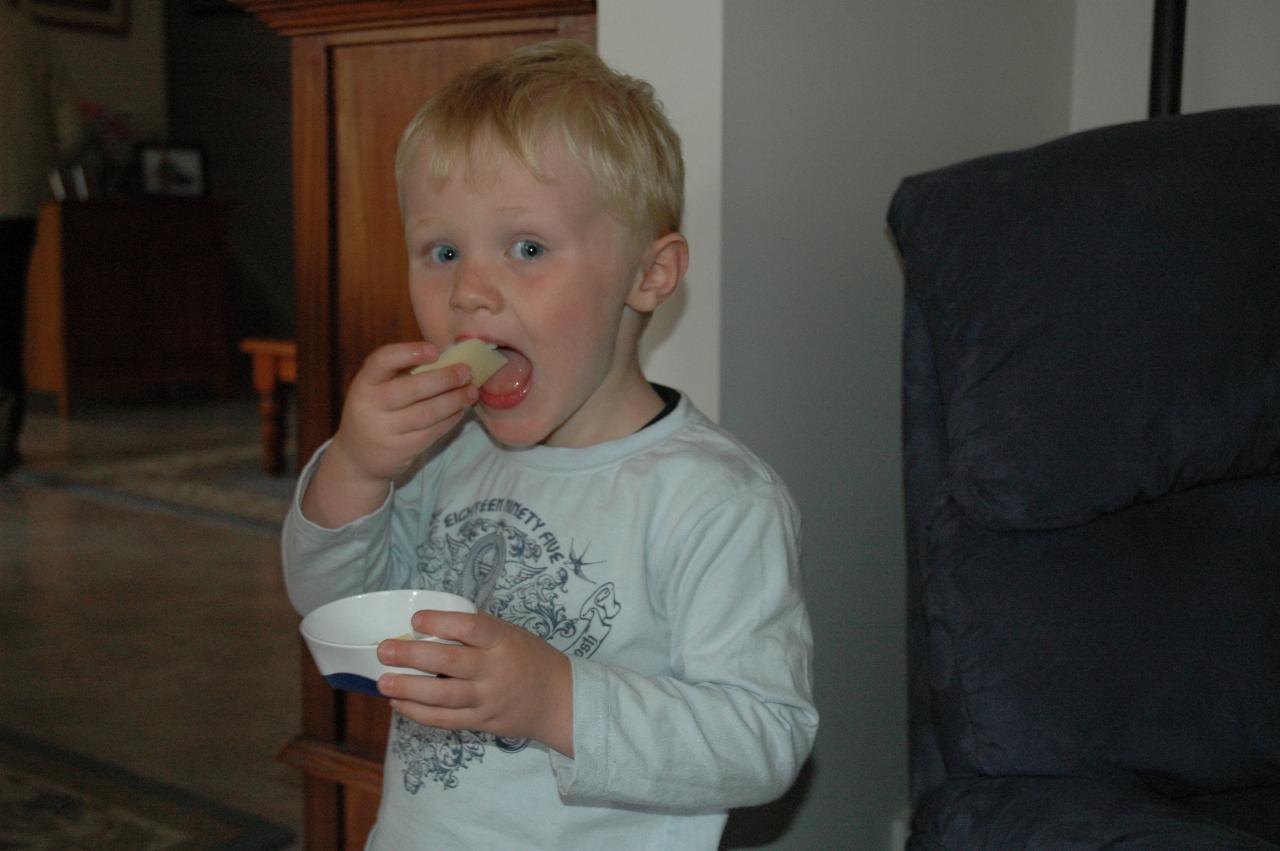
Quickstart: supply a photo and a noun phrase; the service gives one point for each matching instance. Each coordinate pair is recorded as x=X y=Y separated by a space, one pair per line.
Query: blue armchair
x=1091 y=431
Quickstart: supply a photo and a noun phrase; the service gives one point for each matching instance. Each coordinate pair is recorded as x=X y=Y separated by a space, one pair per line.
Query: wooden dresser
x=127 y=296
x=360 y=72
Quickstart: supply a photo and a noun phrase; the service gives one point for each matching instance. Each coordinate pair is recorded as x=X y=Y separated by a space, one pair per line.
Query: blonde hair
x=612 y=124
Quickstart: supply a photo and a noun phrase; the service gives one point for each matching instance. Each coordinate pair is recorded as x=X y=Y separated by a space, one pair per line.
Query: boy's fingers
x=437 y=383
x=473 y=630
x=456 y=375
x=432 y=386
x=423 y=435
x=386 y=362
x=429 y=692
x=427 y=656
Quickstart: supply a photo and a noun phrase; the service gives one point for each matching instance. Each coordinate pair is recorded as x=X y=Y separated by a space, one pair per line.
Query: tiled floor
x=160 y=642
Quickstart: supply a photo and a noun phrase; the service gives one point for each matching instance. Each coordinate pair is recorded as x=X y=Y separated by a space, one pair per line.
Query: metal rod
x=1167 y=37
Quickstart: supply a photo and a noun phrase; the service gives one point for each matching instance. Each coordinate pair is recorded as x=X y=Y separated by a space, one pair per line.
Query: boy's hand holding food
x=389 y=418
x=499 y=679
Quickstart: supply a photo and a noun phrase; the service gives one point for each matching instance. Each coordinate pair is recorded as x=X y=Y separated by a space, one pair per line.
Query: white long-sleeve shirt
x=665 y=565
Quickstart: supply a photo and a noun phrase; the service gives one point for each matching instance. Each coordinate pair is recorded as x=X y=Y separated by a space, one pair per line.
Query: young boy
x=642 y=662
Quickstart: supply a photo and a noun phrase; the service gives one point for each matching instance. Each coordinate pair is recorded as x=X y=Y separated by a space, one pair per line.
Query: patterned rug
x=54 y=800
x=222 y=482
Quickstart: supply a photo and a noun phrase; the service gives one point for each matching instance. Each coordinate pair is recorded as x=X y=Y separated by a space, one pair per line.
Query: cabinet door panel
x=377 y=90
x=143 y=290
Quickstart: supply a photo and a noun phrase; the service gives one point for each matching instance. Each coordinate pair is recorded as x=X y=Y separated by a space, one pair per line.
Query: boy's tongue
x=512 y=377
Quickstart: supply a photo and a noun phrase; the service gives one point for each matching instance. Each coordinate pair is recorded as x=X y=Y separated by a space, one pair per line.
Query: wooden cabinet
x=125 y=296
x=360 y=72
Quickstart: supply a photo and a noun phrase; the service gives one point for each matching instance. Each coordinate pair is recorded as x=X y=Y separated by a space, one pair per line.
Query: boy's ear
x=665 y=263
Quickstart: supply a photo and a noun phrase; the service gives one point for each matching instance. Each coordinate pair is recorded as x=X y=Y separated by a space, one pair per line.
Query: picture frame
x=171 y=170
x=104 y=15
x=214 y=7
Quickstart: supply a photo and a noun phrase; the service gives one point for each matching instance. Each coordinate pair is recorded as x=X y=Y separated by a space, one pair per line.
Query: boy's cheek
x=432 y=320
x=424 y=294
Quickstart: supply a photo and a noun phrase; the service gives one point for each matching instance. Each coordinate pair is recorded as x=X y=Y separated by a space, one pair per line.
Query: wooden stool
x=275 y=364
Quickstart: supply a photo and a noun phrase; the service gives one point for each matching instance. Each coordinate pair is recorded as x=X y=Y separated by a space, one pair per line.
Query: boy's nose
x=473 y=290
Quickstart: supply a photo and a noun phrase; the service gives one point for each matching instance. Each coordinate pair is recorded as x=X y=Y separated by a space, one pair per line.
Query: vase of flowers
x=104 y=154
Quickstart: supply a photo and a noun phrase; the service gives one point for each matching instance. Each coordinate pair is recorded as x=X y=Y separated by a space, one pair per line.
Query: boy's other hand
x=500 y=679
x=388 y=419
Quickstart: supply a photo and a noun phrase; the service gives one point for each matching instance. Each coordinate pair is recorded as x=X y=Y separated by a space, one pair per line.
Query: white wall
x=1232 y=54
x=1231 y=58
x=828 y=105
x=1112 y=63
x=676 y=46
x=121 y=72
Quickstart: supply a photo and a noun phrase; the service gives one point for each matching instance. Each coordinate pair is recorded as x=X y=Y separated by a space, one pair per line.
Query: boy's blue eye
x=527 y=250
x=442 y=253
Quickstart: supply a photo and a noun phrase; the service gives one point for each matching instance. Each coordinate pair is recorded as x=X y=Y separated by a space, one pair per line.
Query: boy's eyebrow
x=423 y=221
x=420 y=223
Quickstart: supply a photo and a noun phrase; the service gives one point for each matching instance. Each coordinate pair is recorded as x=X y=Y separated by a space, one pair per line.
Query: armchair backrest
x=1092 y=449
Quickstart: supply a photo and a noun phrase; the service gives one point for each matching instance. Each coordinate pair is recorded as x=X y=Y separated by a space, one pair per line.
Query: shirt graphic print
x=501 y=550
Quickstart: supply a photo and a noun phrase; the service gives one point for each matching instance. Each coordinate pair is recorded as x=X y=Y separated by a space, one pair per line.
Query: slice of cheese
x=482 y=357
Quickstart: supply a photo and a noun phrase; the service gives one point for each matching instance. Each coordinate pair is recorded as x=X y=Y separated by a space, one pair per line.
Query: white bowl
x=343 y=636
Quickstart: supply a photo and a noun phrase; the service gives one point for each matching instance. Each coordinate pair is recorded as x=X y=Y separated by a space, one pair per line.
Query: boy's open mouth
x=507 y=387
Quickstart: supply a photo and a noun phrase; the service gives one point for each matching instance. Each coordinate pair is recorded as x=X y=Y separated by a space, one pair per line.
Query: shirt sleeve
x=734 y=723
x=322 y=565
